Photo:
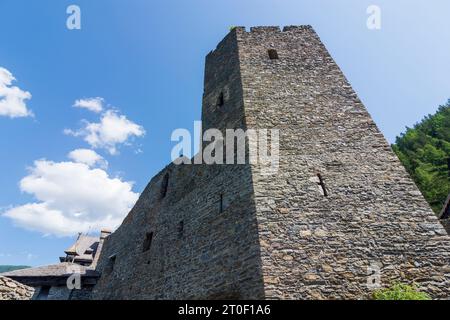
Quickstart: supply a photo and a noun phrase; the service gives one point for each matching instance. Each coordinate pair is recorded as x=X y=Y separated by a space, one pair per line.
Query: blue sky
x=146 y=60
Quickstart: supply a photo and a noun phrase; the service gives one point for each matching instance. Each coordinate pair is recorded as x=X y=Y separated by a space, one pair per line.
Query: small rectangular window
x=111 y=262
x=273 y=54
x=147 y=242
x=221 y=204
x=220 y=100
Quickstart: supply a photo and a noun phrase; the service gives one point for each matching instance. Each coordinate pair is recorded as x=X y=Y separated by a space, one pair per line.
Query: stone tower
x=339 y=218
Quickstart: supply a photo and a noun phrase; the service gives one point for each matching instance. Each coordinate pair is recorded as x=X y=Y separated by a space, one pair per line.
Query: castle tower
x=339 y=218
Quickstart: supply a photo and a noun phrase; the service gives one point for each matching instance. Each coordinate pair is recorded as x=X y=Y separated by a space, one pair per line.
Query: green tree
x=424 y=150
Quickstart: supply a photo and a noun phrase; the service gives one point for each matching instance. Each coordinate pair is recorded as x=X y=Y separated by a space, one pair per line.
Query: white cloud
x=92 y=104
x=89 y=157
x=12 y=99
x=112 y=130
x=71 y=198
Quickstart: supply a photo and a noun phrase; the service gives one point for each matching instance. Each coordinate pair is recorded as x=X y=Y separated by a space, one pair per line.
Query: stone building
x=50 y=282
x=339 y=219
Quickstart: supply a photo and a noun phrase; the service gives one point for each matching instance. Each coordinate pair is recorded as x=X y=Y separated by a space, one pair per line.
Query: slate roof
x=55 y=270
x=81 y=257
x=83 y=251
x=83 y=245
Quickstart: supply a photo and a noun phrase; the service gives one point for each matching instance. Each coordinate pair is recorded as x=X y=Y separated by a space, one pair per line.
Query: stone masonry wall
x=13 y=290
x=322 y=247
x=226 y=231
x=196 y=251
x=204 y=241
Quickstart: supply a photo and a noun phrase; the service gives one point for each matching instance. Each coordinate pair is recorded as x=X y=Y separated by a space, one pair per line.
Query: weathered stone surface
x=282 y=236
x=373 y=214
x=446 y=224
x=12 y=290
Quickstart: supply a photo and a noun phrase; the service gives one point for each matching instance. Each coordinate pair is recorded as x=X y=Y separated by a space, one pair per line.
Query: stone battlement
x=273 y=29
x=264 y=30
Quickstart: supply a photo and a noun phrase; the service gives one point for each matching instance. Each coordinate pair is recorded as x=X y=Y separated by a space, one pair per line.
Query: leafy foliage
x=7 y=268
x=424 y=150
x=400 y=291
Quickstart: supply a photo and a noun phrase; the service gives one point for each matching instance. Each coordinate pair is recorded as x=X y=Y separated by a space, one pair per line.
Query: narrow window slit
x=322 y=185
x=221 y=203
x=147 y=242
x=164 y=185
x=220 y=100
x=273 y=54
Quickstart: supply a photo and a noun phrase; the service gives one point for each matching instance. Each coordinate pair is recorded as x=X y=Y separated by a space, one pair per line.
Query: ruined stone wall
x=204 y=241
x=13 y=290
x=317 y=246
